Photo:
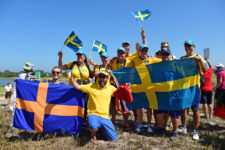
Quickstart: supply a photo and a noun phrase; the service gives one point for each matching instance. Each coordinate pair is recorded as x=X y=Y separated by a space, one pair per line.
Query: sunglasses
x=103 y=76
x=53 y=72
x=187 y=45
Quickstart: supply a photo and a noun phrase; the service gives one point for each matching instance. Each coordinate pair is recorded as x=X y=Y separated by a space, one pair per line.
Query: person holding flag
x=189 y=46
x=143 y=59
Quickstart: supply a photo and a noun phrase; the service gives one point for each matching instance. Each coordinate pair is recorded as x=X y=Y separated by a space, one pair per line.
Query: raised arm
x=210 y=66
x=75 y=84
x=143 y=36
x=200 y=62
x=60 y=63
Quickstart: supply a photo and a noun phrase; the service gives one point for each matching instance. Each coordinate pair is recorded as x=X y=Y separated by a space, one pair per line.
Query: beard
x=102 y=83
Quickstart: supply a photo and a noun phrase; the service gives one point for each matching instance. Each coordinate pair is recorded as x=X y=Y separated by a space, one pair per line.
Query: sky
x=34 y=31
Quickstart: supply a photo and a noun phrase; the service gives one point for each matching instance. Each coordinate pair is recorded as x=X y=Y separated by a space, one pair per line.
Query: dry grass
x=212 y=136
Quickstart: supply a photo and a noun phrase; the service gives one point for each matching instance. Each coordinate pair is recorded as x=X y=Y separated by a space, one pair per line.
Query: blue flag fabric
x=73 y=42
x=142 y=15
x=47 y=107
x=99 y=47
x=171 y=85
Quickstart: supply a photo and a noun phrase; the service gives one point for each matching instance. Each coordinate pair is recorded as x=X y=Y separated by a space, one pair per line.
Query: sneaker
x=161 y=131
x=174 y=136
x=210 y=117
x=195 y=135
x=140 y=128
x=136 y=124
x=182 y=130
x=149 y=129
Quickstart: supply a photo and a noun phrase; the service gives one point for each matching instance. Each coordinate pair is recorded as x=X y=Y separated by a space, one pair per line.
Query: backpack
x=31 y=76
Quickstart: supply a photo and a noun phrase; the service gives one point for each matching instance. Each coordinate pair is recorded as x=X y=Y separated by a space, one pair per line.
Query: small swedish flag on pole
x=73 y=42
x=142 y=15
x=99 y=47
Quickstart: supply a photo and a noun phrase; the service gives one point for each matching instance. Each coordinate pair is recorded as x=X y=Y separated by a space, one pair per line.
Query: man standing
x=220 y=86
x=98 y=105
x=189 y=48
x=206 y=91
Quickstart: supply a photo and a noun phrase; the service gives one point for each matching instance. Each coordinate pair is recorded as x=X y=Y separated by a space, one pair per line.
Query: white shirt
x=8 y=88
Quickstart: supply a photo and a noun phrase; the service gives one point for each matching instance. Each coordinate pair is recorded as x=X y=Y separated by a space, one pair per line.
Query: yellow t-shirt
x=116 y=65
x=150 y=60
x=97 y=67
x=199 y=65
x=99 y=99
x=132 y=55
x=76 y=74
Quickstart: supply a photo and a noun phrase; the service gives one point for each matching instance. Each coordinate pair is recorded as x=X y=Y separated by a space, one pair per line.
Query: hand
x=109 y=71
x=142 y=32
x=137 y=46
x=60 y=54
x=128 y=84
x=91 y=62
x=197 y=58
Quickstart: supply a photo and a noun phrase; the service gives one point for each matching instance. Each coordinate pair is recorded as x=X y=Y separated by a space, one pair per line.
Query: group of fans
x=98 y=101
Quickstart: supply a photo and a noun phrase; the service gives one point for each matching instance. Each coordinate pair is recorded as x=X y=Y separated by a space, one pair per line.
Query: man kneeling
x=98 y=105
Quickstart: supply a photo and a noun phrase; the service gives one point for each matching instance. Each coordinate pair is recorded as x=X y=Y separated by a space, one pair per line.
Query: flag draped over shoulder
x=170 y=85
x=73 y=42
x=47 y=107
x=142 y=15
x=99 y=47
x=219 y=110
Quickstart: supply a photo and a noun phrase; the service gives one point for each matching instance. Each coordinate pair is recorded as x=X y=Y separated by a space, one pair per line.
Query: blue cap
x=190 y=42
x=121 y=49
x=143 y=46
x=81 y=52
x=125 y=42
x=165 y=50
x=105 y=54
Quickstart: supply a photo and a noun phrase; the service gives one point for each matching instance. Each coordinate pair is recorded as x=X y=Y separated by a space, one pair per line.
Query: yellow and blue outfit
x=76 y=73
x=98 y=107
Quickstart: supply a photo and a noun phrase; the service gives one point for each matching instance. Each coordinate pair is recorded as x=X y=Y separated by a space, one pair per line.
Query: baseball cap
x=121 y=49
x=143 y=46
x=81 y=52
x=104 y=72
x=165 y=50
x=105 y=54
x=28 y=66
x=125 y=42
x=190 y=42
x=219 y=65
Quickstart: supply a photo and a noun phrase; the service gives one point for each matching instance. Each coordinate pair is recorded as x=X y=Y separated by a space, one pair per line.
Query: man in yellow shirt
x=98 y=105
x=189 y=48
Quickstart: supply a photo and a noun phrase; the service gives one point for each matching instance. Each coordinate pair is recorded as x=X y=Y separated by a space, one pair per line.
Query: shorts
x=219 y=92
x=206 y=97
x=96 y=122
x=195 y=107
x=175 y=114
x=160 y=111
x=8 y=94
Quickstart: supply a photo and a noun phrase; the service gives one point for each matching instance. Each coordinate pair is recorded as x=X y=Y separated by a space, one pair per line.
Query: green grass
x=2 y=89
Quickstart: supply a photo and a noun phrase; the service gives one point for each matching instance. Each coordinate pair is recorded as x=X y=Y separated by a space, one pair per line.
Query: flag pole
x=137 y=20
x=62 y=47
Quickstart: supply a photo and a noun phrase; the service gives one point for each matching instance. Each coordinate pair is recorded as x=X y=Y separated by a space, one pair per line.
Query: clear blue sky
x=34 y=31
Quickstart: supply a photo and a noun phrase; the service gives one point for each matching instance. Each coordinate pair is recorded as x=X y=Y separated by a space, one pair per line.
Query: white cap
x=219 y=65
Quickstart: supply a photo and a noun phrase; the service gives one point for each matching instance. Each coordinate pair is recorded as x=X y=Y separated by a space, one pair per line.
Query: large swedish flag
x=73 y=42
x=142 y=15
x=99 y=47
x=47 y=107
x=171 y=85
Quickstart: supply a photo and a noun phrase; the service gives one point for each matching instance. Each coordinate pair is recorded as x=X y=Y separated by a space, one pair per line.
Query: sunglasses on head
x=53 y=72
x=187 y=45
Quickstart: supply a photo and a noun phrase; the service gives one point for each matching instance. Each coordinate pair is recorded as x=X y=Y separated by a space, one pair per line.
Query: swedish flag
x=142 y=15
x=73 y=42
x=99 y=47
x=170 y=85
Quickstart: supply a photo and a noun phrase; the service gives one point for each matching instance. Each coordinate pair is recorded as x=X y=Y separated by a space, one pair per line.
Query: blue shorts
x=195 y=107
x=175 y=114
x=206 y=97
x=96 y=122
